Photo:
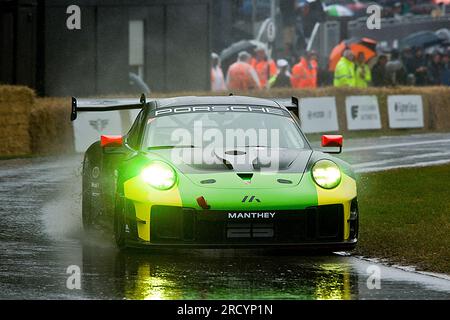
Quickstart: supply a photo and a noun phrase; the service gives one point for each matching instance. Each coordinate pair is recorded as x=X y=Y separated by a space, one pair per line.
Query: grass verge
x=405 y=217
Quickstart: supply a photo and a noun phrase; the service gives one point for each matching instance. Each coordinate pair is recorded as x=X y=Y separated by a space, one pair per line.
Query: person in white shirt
x=217 y=78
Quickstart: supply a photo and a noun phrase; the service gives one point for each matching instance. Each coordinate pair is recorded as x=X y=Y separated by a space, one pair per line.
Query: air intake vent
x=247 y=177
x=208 y=181
x=284 y=181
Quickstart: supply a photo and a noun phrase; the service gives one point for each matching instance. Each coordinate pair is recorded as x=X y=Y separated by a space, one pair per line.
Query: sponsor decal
x=95 y=172
x=235 y=108
x=99 y=124
x=251 y=215
x=250 y=199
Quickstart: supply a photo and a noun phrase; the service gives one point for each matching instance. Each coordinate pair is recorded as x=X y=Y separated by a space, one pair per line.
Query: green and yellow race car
x=218 y=172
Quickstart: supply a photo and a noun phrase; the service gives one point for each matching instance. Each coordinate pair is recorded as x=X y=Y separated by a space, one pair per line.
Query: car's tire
x=91 y=197
x=125 y=227
x=354 y=220
x=120 y=234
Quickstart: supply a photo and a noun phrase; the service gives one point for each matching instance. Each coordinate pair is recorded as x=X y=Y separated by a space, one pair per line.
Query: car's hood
x=231 y=168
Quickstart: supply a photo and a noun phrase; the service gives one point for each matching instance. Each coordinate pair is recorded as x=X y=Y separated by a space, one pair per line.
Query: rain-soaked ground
x=41 y=236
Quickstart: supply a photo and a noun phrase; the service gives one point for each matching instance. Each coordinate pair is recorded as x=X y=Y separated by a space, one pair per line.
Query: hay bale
x=51 y=129
x=9 y=119
x=15 y=106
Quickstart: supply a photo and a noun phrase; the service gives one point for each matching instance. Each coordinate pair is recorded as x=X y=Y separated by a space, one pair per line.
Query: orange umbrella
x=357 y=45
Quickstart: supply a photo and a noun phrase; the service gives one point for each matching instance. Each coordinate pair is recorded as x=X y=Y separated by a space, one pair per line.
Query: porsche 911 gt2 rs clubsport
x=217 y=172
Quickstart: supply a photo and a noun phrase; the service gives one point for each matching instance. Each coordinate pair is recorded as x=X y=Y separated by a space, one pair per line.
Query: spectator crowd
x=412 y=67
x=256 y=72
x=300 y=68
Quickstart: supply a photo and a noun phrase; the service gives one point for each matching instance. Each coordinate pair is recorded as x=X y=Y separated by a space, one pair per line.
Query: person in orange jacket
x=304 y=73
x=265 y=68
x=241 y=75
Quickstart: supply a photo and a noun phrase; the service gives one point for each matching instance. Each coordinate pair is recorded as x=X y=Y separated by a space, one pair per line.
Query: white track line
x=413 y=165
x=400 y=159
x=394 y=145
x=432 y=281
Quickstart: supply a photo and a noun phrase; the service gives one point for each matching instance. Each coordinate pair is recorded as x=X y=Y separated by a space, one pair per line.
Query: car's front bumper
x=313 y=227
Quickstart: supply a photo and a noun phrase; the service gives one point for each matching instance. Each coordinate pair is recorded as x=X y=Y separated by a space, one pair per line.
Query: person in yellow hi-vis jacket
x=363 y=72
x=345 y=73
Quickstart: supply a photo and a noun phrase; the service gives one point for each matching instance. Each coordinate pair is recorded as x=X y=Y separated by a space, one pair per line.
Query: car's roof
x=216 y=100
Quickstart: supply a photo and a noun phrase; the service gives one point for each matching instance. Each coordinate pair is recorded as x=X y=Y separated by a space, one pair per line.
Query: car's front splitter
x=334 y=246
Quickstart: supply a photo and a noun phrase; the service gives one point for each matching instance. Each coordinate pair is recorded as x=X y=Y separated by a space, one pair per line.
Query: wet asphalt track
x=40 y=236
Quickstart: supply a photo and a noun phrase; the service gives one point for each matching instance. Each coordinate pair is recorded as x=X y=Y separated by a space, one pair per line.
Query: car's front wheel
x=125 y=228
x=90 y=199
x=120 y=223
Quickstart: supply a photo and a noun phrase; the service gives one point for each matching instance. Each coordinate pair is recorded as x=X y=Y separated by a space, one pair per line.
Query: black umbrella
x=423 y=39
x=444 y=34
x=229 y=55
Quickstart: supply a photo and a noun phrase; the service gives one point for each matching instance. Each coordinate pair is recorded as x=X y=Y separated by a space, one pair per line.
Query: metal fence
x=327 y=37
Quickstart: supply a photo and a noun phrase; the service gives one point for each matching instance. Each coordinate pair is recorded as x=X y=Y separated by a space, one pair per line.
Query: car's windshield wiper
x=171 y=147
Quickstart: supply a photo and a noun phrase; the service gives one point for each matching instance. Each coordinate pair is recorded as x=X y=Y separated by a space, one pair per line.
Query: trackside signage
x=362 y=112
x=318 y=114
x=405 y=111
x=89 y=126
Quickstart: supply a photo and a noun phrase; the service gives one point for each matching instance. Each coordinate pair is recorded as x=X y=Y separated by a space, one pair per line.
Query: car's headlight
x=326 y=174
x=159 y=175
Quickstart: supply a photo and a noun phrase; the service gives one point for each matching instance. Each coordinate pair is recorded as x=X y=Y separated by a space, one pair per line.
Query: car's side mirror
x=109 y=141
x=332 y=141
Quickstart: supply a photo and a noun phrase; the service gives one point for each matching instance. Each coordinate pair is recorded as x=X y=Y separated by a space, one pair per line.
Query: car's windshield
x=223 y=129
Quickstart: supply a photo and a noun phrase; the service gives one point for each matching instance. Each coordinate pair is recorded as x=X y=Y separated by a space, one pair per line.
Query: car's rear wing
x=291 y=104
x=99 y=105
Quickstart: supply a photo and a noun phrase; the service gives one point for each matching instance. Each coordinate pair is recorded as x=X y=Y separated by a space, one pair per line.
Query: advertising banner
x=405 y=111
x=362 y=113
x=318 y=114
